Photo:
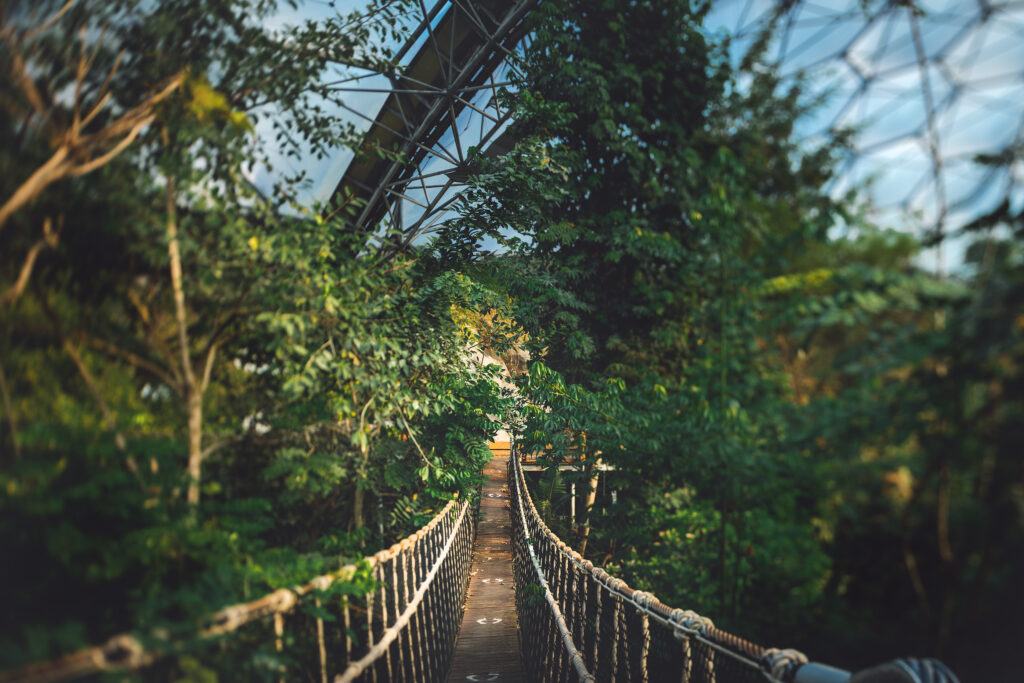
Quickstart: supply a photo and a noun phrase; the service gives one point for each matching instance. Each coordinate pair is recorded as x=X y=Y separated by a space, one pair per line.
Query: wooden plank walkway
x=488 y=645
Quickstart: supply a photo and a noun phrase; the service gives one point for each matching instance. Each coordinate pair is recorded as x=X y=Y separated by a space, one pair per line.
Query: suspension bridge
x=483 y=592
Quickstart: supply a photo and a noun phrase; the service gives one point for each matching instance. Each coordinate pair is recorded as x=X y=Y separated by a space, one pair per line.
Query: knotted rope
x=403 y=629
x=355 y=669
x=649 y=641
x=573 y=655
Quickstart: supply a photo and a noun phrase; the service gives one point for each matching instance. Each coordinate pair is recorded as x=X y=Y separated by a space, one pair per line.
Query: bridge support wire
x=427 y=660
x=402 y=628
x=579 y=623
x=537 y=625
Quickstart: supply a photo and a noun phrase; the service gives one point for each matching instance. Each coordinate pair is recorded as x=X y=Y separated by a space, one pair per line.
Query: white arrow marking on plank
x=493 y=620
x=476 y=677
x=494 y=580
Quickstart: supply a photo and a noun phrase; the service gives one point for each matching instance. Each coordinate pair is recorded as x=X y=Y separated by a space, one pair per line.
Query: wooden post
x=572 y=505
x=593 y=471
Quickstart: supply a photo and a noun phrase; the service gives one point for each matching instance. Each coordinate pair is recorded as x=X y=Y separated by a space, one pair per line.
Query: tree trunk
x=195 y=443
x=193 y=390
x=357 y=508
x=12 y=421
x=593 y=471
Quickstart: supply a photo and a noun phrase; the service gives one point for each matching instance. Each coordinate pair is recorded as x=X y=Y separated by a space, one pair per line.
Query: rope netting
x=401 y=627
x=578 y=623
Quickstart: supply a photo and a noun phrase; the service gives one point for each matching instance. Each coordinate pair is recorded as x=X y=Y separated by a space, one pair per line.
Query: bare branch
x=60 y=165
x=20 y=74
x=14 y=291
x=12 y=422
x=408 y=430
x=216 y=446
x=51 y=21
x=138 y=361
x=118 y=148
x=207 y=371
x=80 y=73
x=103 y=95
x=140 y=306
x=30 y=189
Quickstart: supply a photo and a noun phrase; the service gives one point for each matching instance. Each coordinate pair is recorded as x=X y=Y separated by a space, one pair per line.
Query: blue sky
x=886 y=71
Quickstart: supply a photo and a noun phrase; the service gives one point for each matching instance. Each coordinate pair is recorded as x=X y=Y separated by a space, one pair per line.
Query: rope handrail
x=574 y=655
x=577 y=613
x=377 y=651
x=391 y=598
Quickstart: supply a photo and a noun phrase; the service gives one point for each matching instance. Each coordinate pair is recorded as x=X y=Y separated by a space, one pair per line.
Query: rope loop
x=690 y=622
x=122 y=651
x=643 y=600
x=780 y=663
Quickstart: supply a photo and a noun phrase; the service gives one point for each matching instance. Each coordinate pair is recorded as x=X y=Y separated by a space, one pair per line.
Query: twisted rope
x=570 y=648
x=556 y=559
x=125 y=652
x=377 y=651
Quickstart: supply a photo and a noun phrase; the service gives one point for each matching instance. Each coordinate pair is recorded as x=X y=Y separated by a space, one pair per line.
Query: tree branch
x=138 y=361
x=31 y=188
x=12 y=421
x=210 y=354
x=405 y=421
x=14 y=291
x=51 y=21
x=104 y=159
x=62 y=164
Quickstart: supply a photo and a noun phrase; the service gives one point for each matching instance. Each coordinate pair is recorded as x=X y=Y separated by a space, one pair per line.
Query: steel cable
x=379 y=626
x=649 y=641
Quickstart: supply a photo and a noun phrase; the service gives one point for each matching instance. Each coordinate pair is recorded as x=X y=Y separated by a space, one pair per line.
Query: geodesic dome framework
x=930 y=85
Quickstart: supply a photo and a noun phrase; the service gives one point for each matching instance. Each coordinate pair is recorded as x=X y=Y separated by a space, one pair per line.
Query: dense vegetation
x=812 y=438
x=208 y=393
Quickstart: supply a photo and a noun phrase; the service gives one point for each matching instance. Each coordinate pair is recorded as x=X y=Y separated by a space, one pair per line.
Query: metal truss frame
x=443 y=100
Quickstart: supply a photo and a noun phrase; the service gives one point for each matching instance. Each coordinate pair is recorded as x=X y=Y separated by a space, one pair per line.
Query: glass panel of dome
x=926 y=87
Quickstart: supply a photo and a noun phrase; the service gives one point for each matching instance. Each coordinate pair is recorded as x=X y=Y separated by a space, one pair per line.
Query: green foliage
x=811 y=440
x=804 y=428
x=174 y=444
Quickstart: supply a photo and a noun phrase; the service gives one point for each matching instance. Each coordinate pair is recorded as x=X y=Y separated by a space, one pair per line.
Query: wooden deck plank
x=488 y=645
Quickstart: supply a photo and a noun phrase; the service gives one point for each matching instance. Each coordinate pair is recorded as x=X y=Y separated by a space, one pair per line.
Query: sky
x=927 y=93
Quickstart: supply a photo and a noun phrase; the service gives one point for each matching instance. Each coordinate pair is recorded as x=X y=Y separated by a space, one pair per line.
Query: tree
x=654 y=198
x=789 y=412
x=203 y=387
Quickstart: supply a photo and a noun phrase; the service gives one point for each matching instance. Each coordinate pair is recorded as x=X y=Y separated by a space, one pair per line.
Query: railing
x=402 y=629
x=579 y=623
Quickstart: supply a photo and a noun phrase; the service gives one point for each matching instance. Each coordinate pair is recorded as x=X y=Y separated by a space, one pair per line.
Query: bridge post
x=572 y=505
